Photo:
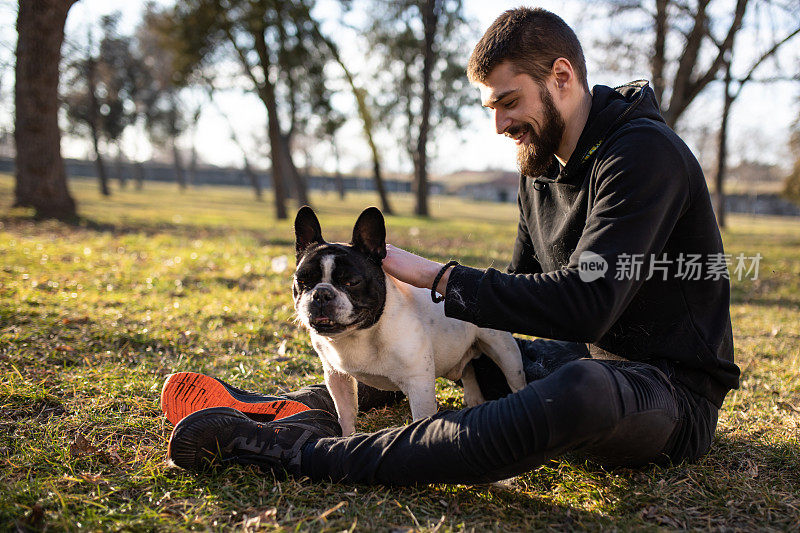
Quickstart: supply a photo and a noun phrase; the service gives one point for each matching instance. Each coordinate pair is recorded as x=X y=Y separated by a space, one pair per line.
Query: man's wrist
x=441 y=288
x=439 y=283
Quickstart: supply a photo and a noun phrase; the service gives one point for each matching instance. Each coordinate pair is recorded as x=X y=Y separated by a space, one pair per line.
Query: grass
x=94 y=315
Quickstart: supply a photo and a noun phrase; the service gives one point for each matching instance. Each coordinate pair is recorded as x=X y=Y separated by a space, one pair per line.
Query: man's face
x=524 y=111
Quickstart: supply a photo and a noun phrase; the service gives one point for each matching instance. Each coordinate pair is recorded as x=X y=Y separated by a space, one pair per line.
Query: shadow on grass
x=32 y=225
x=331 y=506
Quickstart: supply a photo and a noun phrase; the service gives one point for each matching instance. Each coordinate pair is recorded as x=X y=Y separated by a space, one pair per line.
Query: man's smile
x=520 y=134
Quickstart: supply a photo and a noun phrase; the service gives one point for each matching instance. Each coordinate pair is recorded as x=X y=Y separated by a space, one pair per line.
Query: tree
x=702 y=52
x=729 y=97
x=279 y=54
x=683 y=44
x=41 y=180
x=159 y=87
x=791 y=188
x=248 y=169
x=100 y=85
x=423 y=44
x=365 y=114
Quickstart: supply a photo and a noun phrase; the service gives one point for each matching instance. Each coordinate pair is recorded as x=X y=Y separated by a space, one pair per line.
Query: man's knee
x=581 y=403
x=645 y=420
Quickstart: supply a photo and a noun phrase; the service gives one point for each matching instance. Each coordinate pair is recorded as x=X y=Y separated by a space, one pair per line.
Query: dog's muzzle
x=323 y=310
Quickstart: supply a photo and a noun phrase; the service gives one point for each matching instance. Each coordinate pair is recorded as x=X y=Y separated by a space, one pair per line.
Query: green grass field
x=94 y=315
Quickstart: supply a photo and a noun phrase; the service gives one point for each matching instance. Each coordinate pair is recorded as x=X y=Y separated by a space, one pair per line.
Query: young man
x=614 y=210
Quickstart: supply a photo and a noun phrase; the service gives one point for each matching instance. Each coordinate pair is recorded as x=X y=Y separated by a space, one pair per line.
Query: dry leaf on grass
x=81 y=447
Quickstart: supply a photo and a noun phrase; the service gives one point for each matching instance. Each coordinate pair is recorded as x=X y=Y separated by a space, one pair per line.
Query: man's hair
x=532 y=40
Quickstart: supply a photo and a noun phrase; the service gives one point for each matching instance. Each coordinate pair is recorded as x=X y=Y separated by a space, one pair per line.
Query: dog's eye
x=352 y=282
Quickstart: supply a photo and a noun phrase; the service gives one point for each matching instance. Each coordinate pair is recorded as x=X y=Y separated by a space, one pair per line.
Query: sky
x=759 y=124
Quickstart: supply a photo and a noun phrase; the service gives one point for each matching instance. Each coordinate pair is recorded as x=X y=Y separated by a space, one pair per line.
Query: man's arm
x=638 y=202
x=421 y=272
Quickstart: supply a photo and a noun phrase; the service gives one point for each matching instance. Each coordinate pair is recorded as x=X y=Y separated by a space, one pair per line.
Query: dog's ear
x=307 y=230
x=369 y=234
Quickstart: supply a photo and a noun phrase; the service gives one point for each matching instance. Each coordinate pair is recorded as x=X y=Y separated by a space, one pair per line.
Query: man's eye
x=511 y=103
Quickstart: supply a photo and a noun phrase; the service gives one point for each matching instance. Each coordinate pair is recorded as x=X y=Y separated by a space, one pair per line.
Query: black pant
x=619 y=413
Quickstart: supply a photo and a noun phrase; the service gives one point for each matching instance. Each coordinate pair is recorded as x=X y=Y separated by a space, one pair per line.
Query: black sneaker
x=223 y=436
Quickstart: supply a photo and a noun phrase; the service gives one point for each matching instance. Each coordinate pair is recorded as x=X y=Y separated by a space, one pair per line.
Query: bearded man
x=633 y=357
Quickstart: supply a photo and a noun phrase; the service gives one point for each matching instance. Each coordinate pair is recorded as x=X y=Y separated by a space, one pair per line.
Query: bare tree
x=791 y=189
x=679 y=72
x=703 y=52
x=159 y=88
x=422 y=44
x=730 y=95
x=247 y=168
x=41 y=180
x=281 y=57
x=367 y=121
x=98 y=89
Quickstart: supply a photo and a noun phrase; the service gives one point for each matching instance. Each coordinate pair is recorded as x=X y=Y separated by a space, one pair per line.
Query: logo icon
x=591 y=266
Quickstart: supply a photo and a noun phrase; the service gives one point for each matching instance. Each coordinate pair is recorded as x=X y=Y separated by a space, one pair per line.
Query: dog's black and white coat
x=368 y=326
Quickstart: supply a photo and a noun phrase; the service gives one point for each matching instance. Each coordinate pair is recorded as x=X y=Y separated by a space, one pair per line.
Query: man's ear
x=369 y=234
x=307 y=231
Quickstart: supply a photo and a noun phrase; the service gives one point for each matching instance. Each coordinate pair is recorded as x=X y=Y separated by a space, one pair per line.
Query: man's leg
x=620 y=414
x=317 y=397
x=540 y=358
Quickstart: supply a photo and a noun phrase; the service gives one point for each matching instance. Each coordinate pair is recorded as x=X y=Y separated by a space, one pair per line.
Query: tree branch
x=766 y=55
x=248 y=68
x=726 y=46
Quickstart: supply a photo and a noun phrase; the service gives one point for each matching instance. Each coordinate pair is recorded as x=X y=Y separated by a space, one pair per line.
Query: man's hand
x=413 y=269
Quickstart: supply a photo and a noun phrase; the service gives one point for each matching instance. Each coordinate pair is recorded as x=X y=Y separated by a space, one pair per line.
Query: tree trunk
x=98 y=158
x=298 y=180
x=337 y=177
x=94 y=126
x=377 y=176
x=139 y=175
x=102 y=178
x=722 y=153
x=659 y=59
x=429 y=19
x=276 y=151
x=366 y=119
x=120 y=168
x=193 y=166
x=193 y=153
x=180 y=175
x=41 y=179
x=248 y=171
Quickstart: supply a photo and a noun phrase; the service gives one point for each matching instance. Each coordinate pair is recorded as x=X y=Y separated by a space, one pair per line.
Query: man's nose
x=501 y=122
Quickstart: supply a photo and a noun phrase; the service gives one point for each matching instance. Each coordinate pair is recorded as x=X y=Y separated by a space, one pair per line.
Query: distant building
x=499 y=186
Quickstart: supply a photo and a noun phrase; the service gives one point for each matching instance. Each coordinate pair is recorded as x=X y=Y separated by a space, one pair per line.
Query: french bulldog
x=368 y=326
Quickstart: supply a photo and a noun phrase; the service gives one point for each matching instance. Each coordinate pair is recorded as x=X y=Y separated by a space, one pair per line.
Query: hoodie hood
x=611 y=109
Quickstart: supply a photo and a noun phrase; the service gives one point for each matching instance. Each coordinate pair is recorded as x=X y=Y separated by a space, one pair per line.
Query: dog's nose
x=323 y=295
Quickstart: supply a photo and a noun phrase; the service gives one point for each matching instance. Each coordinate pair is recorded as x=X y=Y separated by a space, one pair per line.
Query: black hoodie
x=631 y=192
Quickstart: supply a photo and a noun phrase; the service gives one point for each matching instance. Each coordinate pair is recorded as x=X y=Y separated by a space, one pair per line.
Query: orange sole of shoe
x=184 y=393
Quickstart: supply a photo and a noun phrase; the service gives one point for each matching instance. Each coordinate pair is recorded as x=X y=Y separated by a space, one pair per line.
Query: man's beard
x=535 y=157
